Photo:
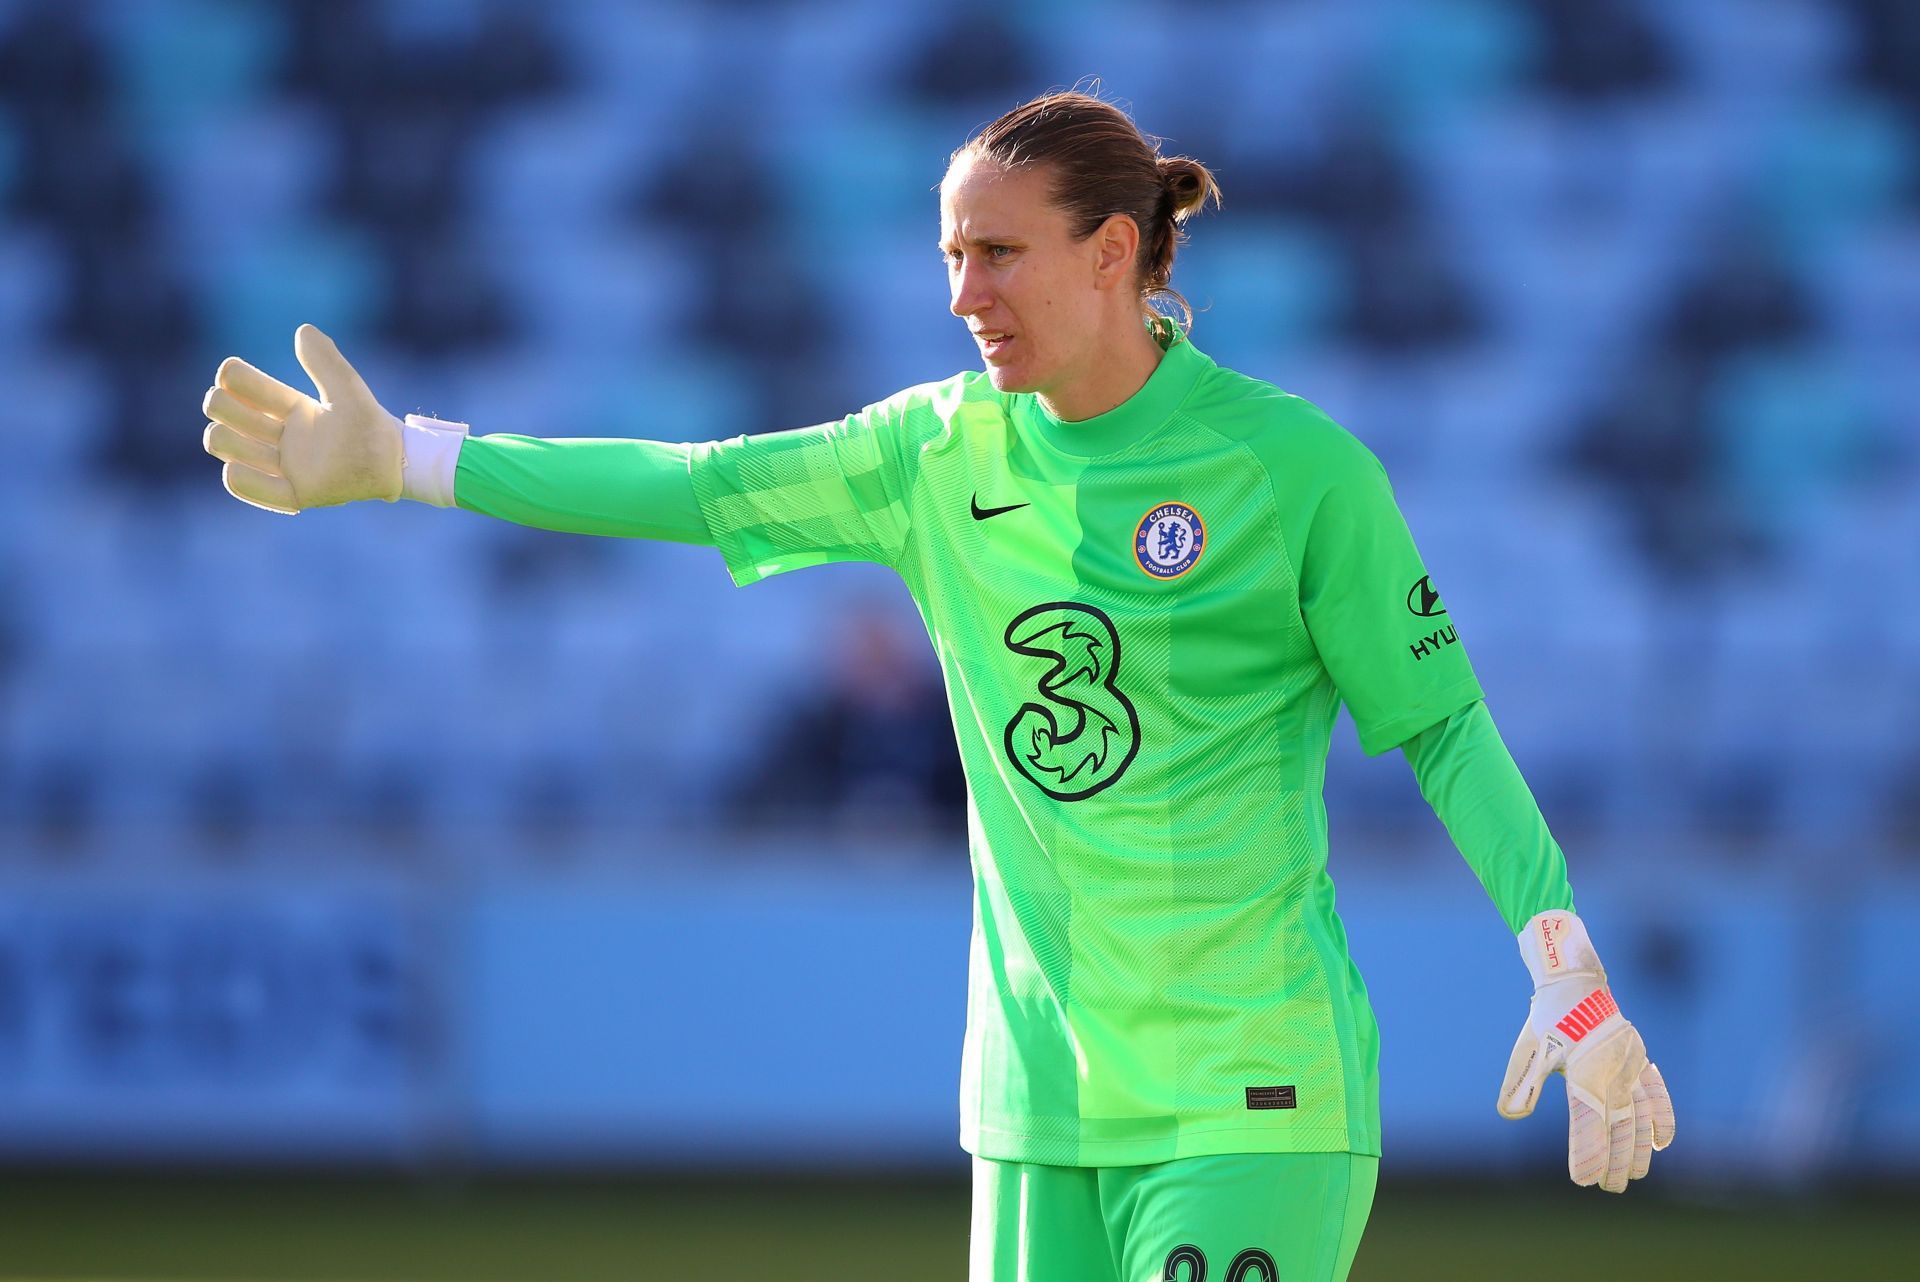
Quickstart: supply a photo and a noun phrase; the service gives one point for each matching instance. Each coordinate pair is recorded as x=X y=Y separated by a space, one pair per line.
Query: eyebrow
x=977 y=241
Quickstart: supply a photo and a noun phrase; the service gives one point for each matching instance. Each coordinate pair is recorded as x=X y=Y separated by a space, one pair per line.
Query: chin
x=1007 y=378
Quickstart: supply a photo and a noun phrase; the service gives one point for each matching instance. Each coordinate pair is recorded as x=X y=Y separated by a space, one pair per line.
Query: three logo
x=1082 y=733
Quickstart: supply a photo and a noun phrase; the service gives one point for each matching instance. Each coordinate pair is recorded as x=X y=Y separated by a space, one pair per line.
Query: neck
x=1114 y=373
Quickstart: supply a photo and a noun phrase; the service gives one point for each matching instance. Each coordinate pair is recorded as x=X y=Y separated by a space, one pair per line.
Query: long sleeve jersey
x=1147 y=622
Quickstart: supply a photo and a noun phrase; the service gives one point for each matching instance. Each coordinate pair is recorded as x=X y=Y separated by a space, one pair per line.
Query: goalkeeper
x=1151 y=582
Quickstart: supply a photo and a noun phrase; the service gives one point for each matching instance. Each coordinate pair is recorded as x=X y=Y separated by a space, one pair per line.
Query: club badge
x=1169 y=540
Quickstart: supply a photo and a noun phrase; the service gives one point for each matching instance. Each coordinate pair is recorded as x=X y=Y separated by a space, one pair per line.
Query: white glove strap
x=1555 y=945
x=430 y=452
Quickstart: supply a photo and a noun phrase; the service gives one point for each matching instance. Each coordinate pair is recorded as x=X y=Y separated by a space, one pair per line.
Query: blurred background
x=391 y=892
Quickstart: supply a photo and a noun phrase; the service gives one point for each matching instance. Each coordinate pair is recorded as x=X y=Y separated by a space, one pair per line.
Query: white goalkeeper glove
x=1618 y=1111
x=284 y=450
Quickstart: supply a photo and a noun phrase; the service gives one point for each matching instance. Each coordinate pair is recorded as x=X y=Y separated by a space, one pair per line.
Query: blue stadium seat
x=507 y=662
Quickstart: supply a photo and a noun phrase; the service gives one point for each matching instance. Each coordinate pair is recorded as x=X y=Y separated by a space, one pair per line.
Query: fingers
x=260 y=390
x=1602 y=1125
x=1660 y=1104
x=230 y=446
x=1642 y=1132
x=223 y=406
x=1526 y=1069
x=326 y=366
x=1599 y=1146
x=1620 y=1130
x=1620 y=1084
x=1618 y=1111
x=262 y=489
x=1587 y=1142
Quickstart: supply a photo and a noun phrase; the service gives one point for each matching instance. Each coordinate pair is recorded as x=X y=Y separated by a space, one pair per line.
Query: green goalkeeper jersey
x=1147 y=622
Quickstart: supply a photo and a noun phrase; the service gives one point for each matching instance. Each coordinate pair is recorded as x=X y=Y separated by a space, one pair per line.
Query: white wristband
x=1554 y=945
x=430 y=453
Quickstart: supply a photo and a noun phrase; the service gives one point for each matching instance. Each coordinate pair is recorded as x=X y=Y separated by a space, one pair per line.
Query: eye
x=995 y=253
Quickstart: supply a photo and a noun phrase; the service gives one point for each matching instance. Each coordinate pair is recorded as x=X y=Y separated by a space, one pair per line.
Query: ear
x=1116 y=244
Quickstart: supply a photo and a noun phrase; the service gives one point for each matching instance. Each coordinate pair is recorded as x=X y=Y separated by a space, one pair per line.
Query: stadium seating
x=1675 y=527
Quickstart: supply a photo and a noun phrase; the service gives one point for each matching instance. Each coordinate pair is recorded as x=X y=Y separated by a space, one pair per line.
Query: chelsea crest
x=1168 y=540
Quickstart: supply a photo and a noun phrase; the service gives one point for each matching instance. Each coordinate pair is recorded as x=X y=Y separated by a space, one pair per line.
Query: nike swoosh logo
x=982 y=513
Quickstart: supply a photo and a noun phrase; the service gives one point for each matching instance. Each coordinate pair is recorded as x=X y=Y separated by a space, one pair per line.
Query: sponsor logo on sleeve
x=1433 y=643
x=1423 y=600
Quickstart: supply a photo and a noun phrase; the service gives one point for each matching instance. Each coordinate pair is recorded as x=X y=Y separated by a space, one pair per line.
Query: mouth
x=992 y=342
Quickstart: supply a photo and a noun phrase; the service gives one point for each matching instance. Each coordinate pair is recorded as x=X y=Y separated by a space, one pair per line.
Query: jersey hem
x=1000 y=1145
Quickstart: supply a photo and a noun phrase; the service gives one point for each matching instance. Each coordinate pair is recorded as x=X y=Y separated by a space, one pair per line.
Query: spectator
x=871 y=750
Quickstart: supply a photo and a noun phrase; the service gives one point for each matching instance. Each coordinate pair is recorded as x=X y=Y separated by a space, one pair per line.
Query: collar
x=1179 y=369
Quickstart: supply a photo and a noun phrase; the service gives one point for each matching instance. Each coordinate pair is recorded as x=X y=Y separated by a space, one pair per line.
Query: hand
x=1618 y=1110
x=284 y=450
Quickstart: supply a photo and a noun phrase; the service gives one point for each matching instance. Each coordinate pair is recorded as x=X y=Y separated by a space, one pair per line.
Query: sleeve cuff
x=1376 y=739
x=429 y=456
x=741 y=567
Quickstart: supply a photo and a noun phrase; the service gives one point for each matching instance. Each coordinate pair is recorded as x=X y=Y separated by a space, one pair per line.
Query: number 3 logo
x=1196 y=1261
x=1084 y=736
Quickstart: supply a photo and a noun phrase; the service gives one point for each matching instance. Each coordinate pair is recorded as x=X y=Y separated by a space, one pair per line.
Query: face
x=1039 y=303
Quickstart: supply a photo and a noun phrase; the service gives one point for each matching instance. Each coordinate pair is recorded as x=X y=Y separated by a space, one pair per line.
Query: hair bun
x=1101 y=166
x=1189 y=183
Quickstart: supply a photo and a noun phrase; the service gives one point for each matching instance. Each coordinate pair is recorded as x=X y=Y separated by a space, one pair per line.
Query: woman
x=1150 y=582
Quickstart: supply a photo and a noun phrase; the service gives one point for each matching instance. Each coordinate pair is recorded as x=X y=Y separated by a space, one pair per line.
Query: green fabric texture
x=1146 y=638
x=1292 y=1216
x=1470 y=779
x=1147 y=622
x=630 y=488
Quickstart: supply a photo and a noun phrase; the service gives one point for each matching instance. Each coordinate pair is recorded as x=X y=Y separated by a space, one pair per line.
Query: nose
x=970 y=293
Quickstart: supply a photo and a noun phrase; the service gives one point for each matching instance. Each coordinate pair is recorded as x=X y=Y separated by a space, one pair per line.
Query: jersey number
x=1084 y=733
x=1243 y=1264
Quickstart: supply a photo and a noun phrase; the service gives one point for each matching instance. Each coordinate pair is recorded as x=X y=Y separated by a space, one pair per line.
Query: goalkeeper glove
x=1618 y=1111
x=284 y=450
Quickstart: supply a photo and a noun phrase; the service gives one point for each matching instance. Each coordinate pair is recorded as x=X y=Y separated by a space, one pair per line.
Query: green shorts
x=1235 y=1217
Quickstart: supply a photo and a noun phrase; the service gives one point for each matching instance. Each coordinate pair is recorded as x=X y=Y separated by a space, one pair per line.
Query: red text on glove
x=1547 y=933
x=1586 y=1017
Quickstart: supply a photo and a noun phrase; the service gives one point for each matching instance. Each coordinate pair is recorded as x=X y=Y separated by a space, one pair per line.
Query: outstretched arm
x=633 y=489
x=770 y=502
x=1617 y=1105
x=287 y=451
